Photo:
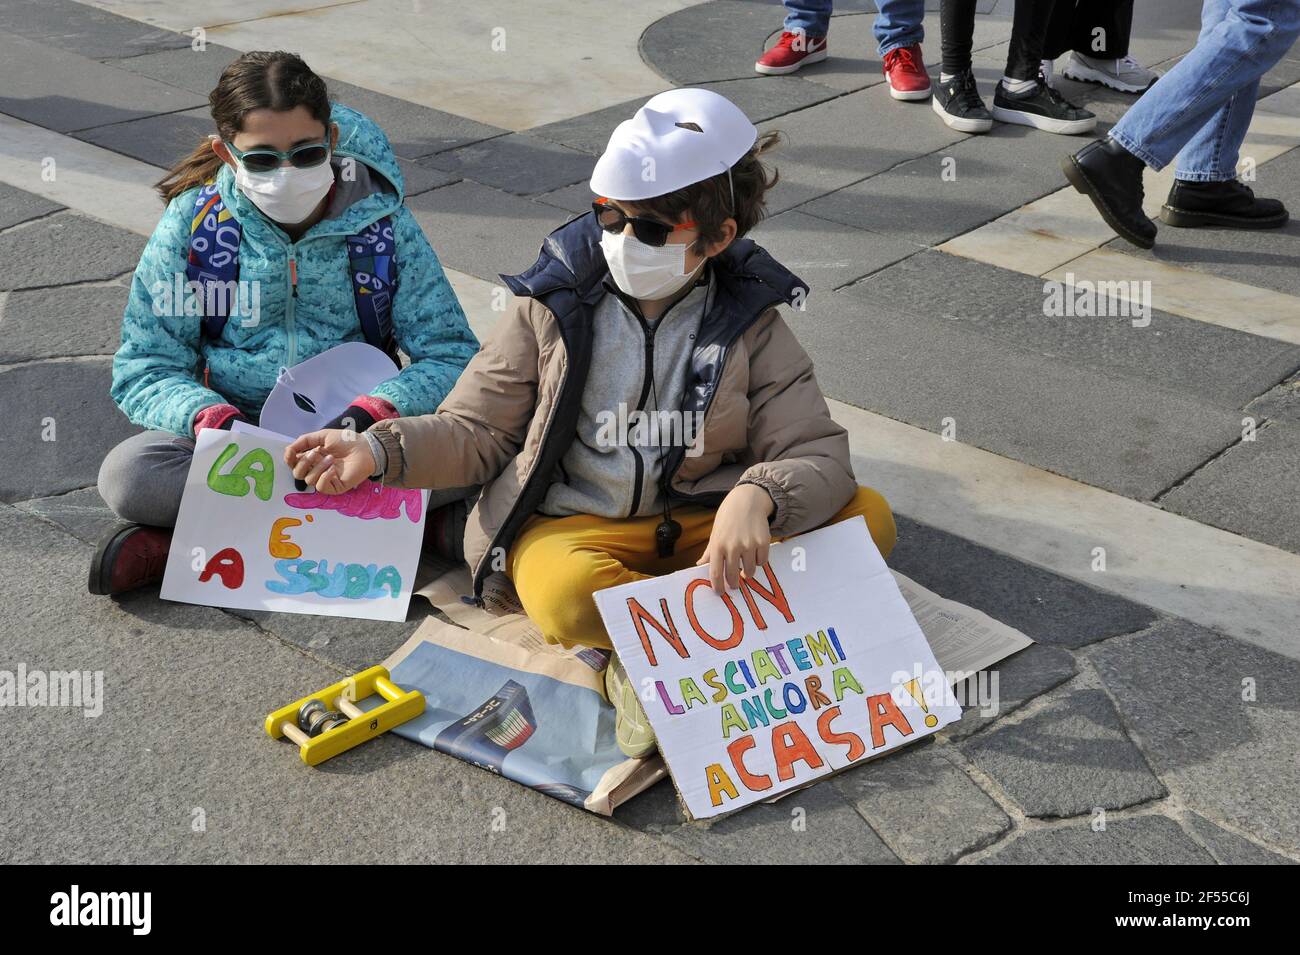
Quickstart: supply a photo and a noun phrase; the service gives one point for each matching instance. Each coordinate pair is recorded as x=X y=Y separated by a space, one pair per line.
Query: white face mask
x=285 y=194
x=644 y=271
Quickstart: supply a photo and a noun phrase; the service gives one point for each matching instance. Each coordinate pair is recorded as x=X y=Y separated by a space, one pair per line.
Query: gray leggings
x=143 y=478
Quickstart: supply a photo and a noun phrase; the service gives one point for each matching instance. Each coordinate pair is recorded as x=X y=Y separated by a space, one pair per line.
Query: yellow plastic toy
x=330 y=722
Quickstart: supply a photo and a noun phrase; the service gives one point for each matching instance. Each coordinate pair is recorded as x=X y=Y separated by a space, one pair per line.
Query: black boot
x=1111 y=177
x=1228 y=204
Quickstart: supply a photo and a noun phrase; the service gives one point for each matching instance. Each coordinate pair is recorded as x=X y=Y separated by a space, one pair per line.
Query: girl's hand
x=332 y=461
x=740 y=536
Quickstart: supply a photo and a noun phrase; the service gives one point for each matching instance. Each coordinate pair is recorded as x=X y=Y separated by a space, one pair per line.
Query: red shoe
x=905 y=73
x=129 y=557
x=792 y=51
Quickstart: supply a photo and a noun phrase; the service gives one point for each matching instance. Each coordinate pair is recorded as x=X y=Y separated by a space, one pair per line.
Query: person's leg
x=1061 y=29
x=898 y=23
x=1099 y=42
x=1100 y=29
x=143 y=478
x=957 y=33
x=1240 y=41
x=813 y=17
x=803 y=40
x=871 y=505
x=1029 y=27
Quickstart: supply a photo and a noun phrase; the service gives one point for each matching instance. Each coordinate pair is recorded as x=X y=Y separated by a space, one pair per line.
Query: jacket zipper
x=291 y=330
x=638 y=461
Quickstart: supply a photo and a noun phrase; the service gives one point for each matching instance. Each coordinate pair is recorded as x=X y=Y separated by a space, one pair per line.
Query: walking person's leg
x=899 y=28
x=1023 y=96
x=802 y=40
x=142 y=480
x=1099 y=34
x=1240 y=40
x=956 y=97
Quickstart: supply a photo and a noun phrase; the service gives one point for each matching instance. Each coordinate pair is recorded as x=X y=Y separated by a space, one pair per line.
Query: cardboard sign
x=813 y=665
x=246 y=538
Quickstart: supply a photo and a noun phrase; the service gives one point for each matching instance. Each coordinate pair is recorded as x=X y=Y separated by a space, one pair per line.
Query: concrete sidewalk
x=1161 y=697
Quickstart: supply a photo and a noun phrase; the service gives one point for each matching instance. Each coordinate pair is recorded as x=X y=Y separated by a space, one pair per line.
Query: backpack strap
x=213 y=257
x=374 y=282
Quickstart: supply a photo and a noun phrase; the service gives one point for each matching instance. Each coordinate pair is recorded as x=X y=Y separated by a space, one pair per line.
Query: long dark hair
x=257 y=80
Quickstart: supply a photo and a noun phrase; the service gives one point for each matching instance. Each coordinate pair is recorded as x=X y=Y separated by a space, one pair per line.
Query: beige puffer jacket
x=511 y=416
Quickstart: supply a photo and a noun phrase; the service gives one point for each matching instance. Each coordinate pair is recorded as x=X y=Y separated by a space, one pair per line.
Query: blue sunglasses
x=300 y=157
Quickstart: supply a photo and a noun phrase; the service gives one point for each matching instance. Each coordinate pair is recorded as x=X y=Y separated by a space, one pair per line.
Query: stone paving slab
x=1281 y=401
x=125 y=787
x=762 y=98
x=1266 y=258
x=1048 y=609
x=1219 y=365
x=520 y=163
x=1021 y=677
x=814 y=826
x=575 y=199
x=87 y=93
x=1179 y=689
x=82 y=29
x=73 y=395
x=710 y=41
x=1228 y=847
x=68 y=320
x=413 y=130
x=1238 y=491
x=832 y=145
x=1114 y=432
x=18 y=206
x=956 y=187
x=1069 y=758
x=81 y=513
x=160 y=140
x=1143 y=840
x=65 y=248
x=925 y=808
x=483 y=231
x=828 y=255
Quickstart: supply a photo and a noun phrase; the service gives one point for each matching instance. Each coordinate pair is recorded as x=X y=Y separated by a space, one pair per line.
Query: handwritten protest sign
x=811 y=666
x=245 y=538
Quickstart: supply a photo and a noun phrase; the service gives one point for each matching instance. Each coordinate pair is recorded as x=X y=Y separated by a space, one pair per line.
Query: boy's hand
x=331 y=461
x=740 y=536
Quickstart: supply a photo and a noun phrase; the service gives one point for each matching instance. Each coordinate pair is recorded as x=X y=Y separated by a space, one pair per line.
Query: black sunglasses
x=300 y=157
x=650 y=231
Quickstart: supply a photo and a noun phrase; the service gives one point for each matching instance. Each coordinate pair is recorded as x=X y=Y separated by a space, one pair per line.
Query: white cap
x=652 y=153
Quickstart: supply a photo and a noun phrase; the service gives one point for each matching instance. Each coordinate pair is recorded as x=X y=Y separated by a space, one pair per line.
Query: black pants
x=1028 y=35
x=1096 y=28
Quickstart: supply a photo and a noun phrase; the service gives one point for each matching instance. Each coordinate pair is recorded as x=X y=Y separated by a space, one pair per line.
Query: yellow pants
x=557 y=563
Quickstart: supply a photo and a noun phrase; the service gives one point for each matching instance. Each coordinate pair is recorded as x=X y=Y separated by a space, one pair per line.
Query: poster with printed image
x=246 y=538
x=813 y=665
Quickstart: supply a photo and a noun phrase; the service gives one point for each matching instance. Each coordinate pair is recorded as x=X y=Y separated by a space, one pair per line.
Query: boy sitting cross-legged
x=643 y=407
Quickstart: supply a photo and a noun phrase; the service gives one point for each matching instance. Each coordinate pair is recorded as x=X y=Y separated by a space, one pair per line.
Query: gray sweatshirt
x=614 y=467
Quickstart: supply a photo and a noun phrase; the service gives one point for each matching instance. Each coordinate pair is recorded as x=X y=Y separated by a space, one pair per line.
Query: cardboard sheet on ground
x=246 y=538
x=815 y=664
x=497 y=644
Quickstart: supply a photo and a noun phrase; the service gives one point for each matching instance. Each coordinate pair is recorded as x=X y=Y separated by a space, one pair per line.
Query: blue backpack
x=214 y=258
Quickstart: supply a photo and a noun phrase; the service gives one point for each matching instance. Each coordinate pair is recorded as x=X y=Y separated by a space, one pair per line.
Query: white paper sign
x=246 y=538
x=814 y=665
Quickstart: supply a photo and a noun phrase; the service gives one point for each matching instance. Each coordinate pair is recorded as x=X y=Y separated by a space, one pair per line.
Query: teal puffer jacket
x=158 y=369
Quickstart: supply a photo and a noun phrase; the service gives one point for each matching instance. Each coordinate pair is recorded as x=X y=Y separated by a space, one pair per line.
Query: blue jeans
x=897 y=24
x=1200 y=109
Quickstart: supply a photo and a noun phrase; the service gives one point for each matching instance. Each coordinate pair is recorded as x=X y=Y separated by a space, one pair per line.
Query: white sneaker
x=1125 y=74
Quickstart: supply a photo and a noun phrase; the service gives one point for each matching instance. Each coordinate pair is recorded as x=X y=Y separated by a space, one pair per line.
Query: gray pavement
x=1125 y=735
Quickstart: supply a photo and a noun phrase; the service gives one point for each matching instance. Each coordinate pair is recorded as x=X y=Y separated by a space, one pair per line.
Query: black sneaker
x=1041 y=107
x=959 y=105
x=1230 y=204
